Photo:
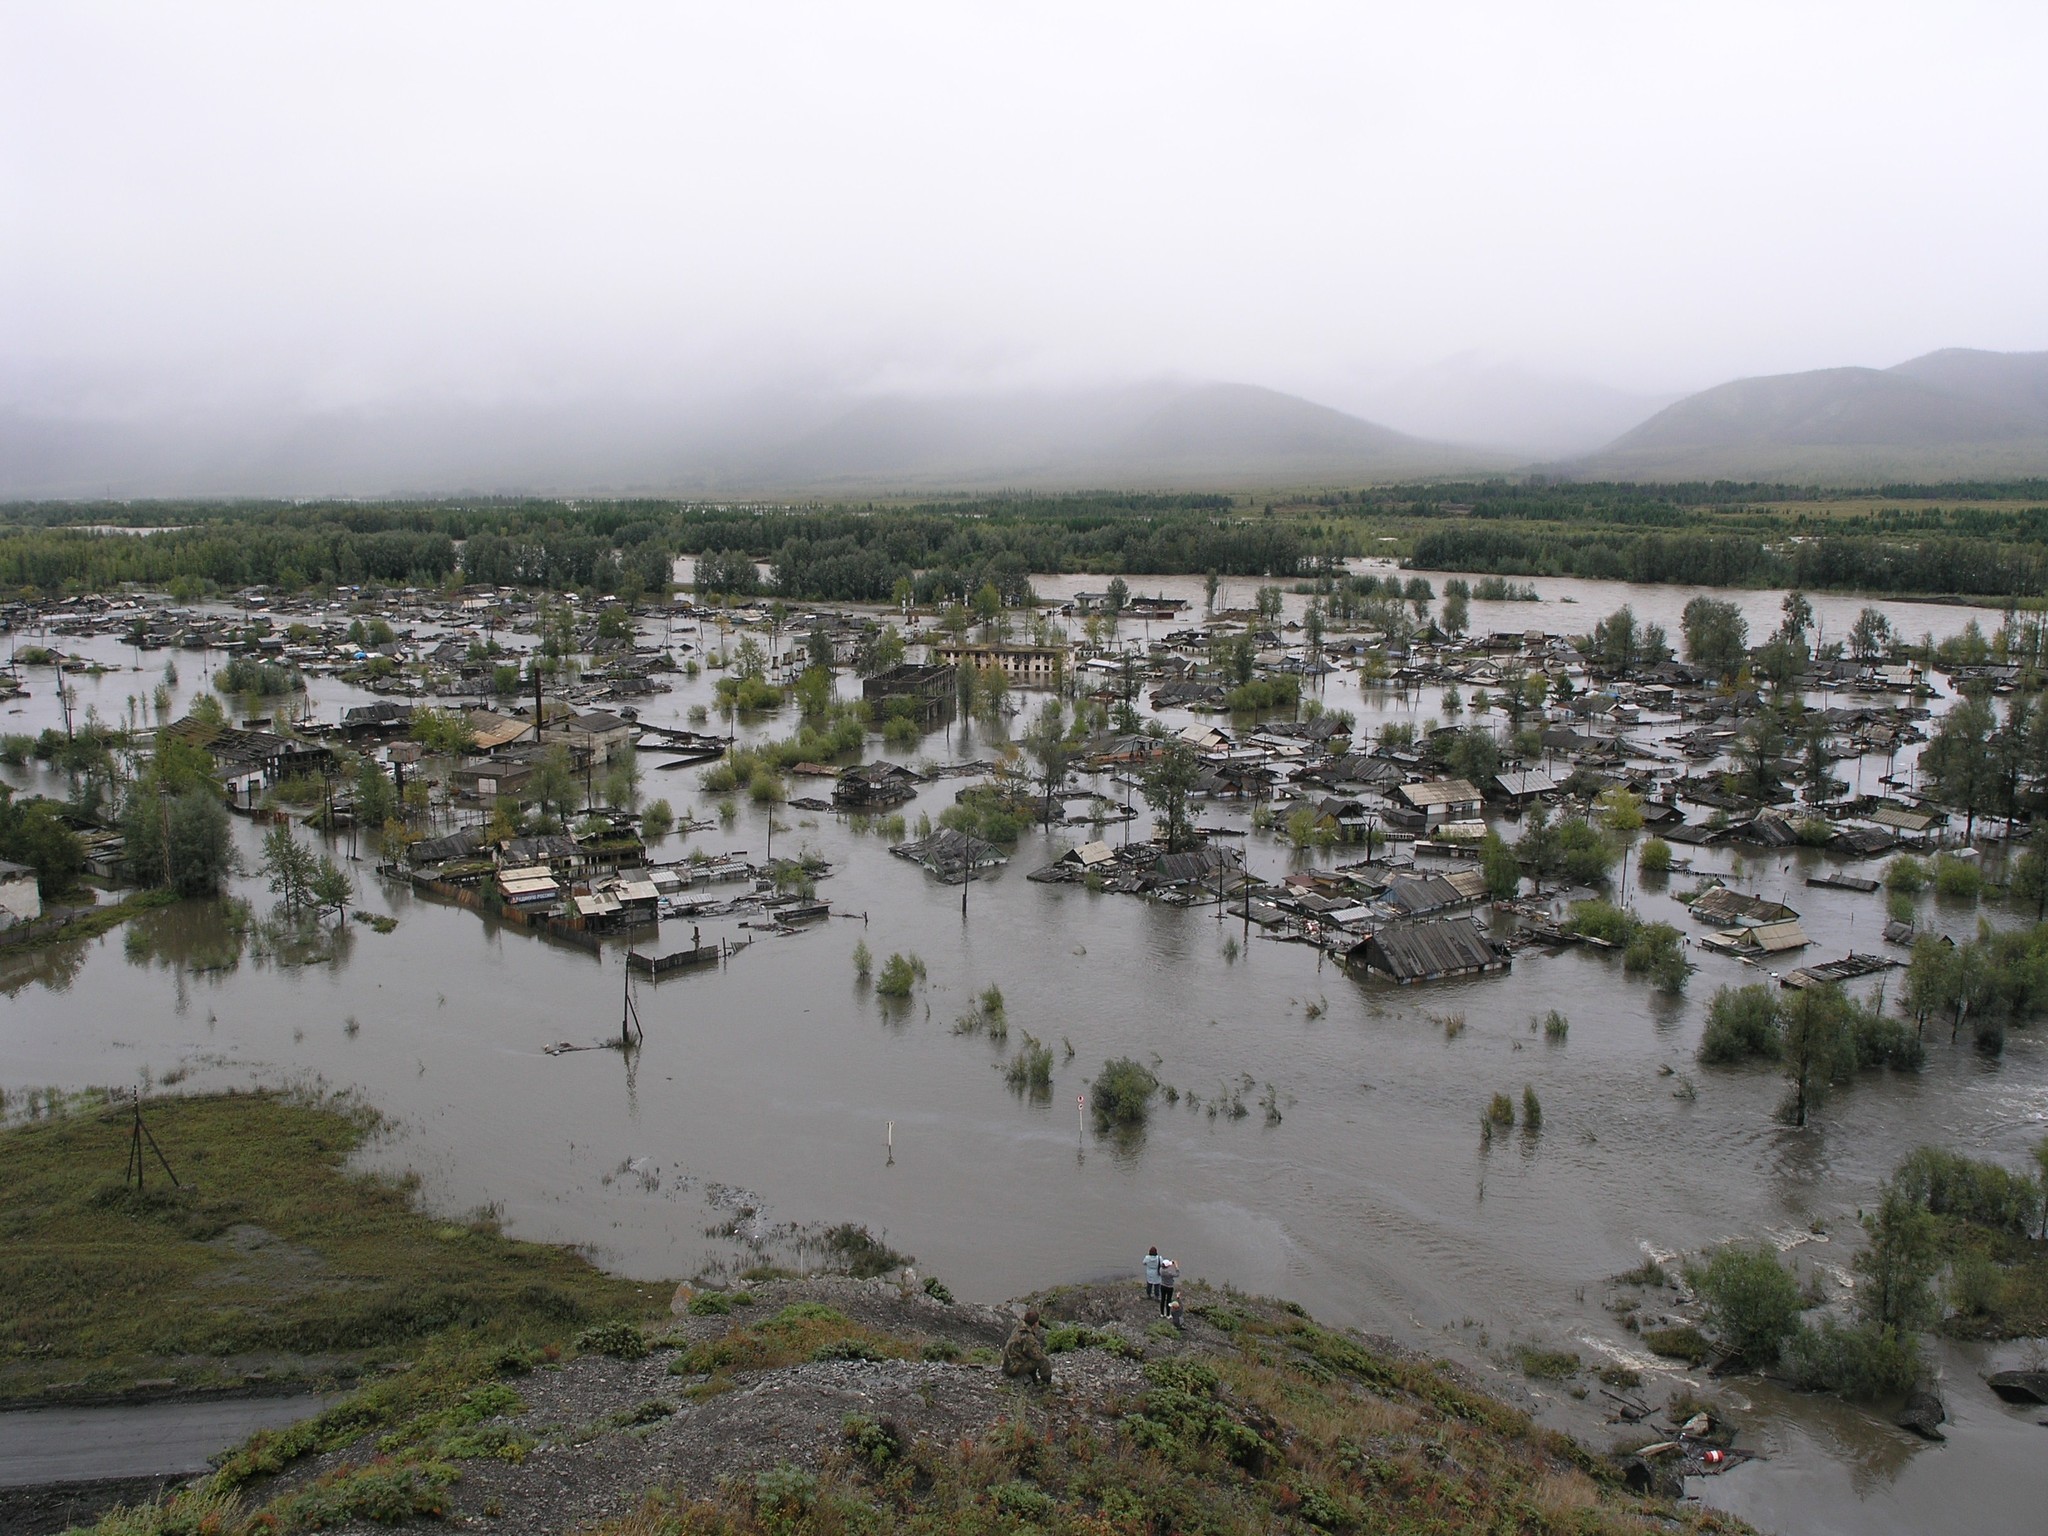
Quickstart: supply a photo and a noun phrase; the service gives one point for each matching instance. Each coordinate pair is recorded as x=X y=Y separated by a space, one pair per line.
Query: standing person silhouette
x=1169 y=1277
x=1152 y=1274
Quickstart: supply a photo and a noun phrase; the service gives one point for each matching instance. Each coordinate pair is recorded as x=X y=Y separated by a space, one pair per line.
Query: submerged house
x=1440 y=800
x=1726 y=907
x=955 y=857
x=874 y=786
x=1432 y=949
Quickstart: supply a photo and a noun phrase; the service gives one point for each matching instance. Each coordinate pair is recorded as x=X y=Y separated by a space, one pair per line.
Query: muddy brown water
x=1371 y=1200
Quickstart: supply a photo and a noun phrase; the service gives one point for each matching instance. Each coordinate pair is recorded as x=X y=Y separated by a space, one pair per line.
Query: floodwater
x=1370 y=1199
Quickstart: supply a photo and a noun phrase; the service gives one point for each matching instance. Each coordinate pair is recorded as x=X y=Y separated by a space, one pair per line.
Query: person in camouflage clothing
x=1024 y=1351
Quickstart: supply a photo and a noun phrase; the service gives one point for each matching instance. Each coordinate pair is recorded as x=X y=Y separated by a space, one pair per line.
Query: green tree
x=1816 y=1047
x=1456 y=614
x=1814 y=762
x=1614 y=643
x=988 y=610
x=180 y=841
x=376 y=796
x=1757 y=753
x=289 y=867
x=1716 y=636
x=31 y=834
x=1897 y=1264
x=1119 y=593
x=1051 y=749
x=553 y=785
x=331 y=887
x=1871 y=637
x=1498 y=864
x=442 y=731
x=1958 y=760
x=1169 y=783
x=1244 y=660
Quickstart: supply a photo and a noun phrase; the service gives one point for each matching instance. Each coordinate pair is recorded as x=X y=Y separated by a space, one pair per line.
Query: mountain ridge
x=1957 y=410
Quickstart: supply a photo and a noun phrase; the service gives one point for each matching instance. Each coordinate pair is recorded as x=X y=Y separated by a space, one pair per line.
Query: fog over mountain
x=1160 y=435
x=780 y=246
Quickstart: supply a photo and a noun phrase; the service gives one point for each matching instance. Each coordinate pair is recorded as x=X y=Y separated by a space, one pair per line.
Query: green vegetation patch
x=272 y=1250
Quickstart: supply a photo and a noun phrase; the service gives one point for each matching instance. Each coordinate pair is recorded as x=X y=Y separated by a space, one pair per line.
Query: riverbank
x=801 y=1406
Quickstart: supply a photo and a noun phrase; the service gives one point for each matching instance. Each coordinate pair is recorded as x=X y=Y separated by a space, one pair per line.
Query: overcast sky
x=326 y=205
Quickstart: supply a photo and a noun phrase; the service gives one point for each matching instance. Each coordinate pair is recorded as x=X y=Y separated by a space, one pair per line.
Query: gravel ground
x=586 y=1469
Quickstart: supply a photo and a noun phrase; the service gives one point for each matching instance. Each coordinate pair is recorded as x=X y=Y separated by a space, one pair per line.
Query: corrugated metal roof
x=1413 y=951
x=1438 y=792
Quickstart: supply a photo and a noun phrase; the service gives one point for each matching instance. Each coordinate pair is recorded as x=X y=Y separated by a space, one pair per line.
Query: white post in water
x=891 y=1136
x=1080 y=1117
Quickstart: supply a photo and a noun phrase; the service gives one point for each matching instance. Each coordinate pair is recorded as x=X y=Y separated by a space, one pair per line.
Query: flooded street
x=1371 y=1199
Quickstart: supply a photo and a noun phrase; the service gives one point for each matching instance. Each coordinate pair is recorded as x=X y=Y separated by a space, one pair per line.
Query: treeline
x=948 y=550
x=221 y=555
x=942 y=550
x=1964 y=567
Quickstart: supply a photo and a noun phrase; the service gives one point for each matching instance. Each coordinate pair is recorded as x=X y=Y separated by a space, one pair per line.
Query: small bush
x=1683 y=1342
x=1905 y=873
x=1647 y=1273
x=784 y=1493
x=1547 y=1364
x=1500 y=1110
x=1863 y=1361
x=619 y=1339
x=1072 y=1336
x=875 y=1445
x=1742 y=1025
x=1121 y=1094
x=1021 y=1501
x=1555 y=1027
x=1532 y=1110
x=1655 y=858
x=899 y=974
x=1974 y=1284
x=718 y=1303
x=1030 y=1070
x=935 y=1288
x=863 y=960
x=1957 y=879
x=1753 y=1303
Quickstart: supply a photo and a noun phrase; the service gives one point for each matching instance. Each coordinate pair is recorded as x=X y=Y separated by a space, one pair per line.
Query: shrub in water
x=1753 y=1303
x=1122 y=1093
x=1905 y=873
x=899 y=975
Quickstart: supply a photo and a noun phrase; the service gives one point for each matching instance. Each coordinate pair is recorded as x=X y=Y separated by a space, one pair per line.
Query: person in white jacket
x=1169 y=1277
x=1152 y=1274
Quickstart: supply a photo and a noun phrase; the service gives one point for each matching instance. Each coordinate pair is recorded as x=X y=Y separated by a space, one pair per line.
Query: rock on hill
x=837 y=1405
x=1949 y=415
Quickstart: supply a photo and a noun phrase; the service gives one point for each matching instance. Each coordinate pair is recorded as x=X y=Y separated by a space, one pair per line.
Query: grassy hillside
x=272 y=1260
